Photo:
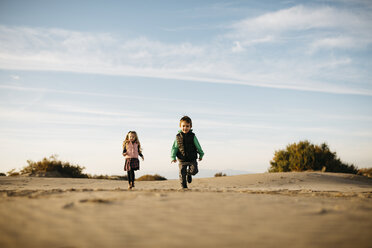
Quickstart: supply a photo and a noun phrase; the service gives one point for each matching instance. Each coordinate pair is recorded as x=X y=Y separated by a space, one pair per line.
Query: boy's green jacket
x=197 y=145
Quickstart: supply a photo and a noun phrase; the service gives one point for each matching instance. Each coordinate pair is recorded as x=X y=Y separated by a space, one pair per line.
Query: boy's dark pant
x=190 y=168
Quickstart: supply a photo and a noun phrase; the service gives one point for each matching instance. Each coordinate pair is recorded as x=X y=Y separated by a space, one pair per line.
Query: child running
x=131 y=151
x=185 y=148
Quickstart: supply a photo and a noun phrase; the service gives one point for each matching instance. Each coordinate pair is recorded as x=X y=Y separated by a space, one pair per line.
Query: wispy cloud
x=15 y=77
x=319 y=22
x=88 y=93
x=70 y=117
x=337 y=43
x=294 y=18
x=76 y=116
x=289 y=58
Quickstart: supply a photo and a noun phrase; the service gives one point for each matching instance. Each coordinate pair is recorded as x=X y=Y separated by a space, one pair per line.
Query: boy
x=185 y=148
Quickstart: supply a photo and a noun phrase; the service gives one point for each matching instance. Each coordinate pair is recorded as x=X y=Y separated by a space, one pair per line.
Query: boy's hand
x=143 y=158
x=173 y=161
x=200 y=159
x=125 y=154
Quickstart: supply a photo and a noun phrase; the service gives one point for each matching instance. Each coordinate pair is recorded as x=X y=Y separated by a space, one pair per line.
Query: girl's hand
x=143 y=158
x=173 y=161
x=124 y=154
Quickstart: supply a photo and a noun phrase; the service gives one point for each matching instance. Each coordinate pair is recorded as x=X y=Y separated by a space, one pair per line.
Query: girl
x=131 y=151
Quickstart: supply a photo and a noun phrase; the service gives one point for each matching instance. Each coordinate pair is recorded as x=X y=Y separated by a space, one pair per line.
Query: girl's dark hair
x=186 y=119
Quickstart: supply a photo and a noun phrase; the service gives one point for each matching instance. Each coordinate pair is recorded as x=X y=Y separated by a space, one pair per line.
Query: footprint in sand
x=68 y=205
x=95 y=200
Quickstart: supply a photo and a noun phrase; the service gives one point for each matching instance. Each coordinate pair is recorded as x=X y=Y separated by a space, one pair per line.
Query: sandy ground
x=258 y=210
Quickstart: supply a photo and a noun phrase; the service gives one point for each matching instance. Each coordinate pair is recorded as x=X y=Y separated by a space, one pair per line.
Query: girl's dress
x=131 y=159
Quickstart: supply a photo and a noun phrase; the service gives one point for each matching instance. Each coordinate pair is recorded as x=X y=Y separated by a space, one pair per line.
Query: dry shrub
x=155 y=177
x=107 y=177
x=367 y=172
x=53 y=167
x=219 y=174
x=13 y=173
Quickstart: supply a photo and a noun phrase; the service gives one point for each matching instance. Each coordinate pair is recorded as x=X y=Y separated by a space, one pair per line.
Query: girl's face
x=185 y=127
x=132 y=137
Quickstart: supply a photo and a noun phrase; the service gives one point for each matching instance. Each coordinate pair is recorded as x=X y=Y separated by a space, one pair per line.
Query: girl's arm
x=124 y=150
x=140 y=151
x=141 y=155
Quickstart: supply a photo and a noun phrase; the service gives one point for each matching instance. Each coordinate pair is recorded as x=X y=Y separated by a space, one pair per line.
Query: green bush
x=155 y=177
x=303 y=156
x=53 y=166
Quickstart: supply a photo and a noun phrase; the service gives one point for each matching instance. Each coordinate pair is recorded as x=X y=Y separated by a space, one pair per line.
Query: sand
x=310 y=209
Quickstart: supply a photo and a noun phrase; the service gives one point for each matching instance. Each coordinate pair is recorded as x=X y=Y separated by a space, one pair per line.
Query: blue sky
x=76 y=76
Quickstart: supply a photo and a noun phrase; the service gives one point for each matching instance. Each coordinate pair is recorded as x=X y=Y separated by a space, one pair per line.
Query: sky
x=254 y=76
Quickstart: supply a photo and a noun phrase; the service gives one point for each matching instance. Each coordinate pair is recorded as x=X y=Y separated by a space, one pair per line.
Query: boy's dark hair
x=186 y=119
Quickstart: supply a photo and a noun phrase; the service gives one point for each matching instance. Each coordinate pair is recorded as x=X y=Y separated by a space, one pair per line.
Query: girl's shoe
x=132 y=184
x=129 y=186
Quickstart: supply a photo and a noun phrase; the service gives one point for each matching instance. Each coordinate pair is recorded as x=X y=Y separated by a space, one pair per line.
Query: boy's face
x=185 y=127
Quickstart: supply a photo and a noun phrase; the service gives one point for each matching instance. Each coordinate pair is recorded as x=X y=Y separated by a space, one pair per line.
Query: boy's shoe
x=184 y=185
x=129 y=186
x=189 y=178
x=132 y=184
